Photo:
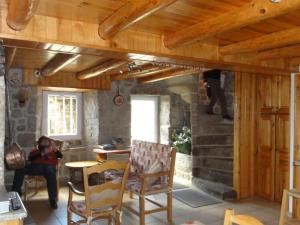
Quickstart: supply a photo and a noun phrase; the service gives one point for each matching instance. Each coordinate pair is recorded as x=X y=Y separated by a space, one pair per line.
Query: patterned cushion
x=133 y=184
x=80 y=207
x=144 y=154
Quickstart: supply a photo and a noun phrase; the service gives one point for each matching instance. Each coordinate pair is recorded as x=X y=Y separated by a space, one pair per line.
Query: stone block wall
x=114 y=121
x=91 y=118
x=23 y=117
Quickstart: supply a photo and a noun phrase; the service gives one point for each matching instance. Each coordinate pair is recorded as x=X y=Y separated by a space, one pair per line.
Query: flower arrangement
x=182 y=141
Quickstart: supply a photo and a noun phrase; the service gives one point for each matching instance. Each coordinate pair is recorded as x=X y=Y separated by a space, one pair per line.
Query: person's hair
x=41 y=139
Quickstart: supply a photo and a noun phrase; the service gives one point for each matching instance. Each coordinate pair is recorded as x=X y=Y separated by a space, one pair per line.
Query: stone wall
x=23 y=117
x=114 y=121
x=91 y=118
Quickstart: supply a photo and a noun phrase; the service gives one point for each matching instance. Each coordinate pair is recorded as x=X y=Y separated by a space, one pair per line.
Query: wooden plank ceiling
x=261 y=30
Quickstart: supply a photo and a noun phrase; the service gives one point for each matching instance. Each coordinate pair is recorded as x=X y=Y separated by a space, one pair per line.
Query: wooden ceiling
x=259 y=30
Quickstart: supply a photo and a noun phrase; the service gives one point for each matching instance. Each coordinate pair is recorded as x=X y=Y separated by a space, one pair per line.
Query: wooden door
x=283 y=92
x=267 y=93
x=266 y=156
x=282 y=155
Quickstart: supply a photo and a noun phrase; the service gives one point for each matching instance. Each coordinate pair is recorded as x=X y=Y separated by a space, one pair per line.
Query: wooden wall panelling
x=244 y=134
x=297 y=142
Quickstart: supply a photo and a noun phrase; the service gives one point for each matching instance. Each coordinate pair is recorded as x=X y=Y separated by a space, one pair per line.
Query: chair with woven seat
x=35 y=181
x=231 y=218
x=287 y=217
x=152 y=171
x=102 y=200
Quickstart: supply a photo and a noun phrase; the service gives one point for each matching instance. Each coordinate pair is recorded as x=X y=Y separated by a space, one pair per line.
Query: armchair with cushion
x=152 y=170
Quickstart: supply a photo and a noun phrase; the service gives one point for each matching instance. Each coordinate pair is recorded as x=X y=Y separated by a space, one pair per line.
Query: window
x=144 y=118
x=62 y=115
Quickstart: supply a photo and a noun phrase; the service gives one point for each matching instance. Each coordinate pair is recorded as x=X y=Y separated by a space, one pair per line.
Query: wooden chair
x=144 y=183
x=231 y=218
x=36 y=181
x=285 y=216
x=102 y=201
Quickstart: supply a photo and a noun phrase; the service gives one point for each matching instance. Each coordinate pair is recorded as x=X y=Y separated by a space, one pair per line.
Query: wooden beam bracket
x=20 y=13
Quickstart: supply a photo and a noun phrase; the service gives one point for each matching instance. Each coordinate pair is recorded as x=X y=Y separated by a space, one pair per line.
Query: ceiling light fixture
x=275 y=1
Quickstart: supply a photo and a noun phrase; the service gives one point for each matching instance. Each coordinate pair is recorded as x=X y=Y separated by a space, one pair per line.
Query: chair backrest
x=109 y=193
x=144 y=154
x=230 y=218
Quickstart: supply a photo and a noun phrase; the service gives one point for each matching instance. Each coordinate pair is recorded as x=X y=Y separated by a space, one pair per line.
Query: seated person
x=43 y=161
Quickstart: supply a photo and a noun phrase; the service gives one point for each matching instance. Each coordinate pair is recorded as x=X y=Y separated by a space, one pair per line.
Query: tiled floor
x=267 y=212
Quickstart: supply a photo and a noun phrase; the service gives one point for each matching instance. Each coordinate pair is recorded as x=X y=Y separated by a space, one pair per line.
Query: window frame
x=79 y=121
x=156 y=99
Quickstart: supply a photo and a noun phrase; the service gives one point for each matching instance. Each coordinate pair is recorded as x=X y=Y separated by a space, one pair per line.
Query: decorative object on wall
x=118 y=99
x=23 y=96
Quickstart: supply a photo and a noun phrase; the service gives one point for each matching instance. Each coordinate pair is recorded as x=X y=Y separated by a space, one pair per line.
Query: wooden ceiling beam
x=100 y=69
x=20 y=13
x=143 y=69
x=251 y=13
x=58 y=62
x=291 y=51
x=269 y=41
x=9 y=56
x=167 y=75
x=132 y=12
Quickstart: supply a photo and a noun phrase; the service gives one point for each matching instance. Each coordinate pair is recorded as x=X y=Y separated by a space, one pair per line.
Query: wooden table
x=78 y=167
x=81 y=164
x=102 y=154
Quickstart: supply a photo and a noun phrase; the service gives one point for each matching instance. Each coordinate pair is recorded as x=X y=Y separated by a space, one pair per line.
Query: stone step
x=215 y=129
x=217 y=163
x=214 y=119
x=213 y=150
x=214 y=139
x=216 y=189
x=214 y=175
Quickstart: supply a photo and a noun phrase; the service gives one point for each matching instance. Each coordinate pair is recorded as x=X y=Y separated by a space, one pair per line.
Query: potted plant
x=182 y=141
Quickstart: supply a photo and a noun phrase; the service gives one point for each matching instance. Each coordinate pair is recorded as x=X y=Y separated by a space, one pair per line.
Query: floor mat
x=177 y=185
x=194 y=198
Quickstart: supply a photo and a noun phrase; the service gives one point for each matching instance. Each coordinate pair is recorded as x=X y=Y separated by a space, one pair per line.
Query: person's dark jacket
x=212 y=74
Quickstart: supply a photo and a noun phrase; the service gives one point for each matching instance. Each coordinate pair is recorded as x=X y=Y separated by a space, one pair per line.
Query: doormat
x=177 y=185
x=194 y=198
